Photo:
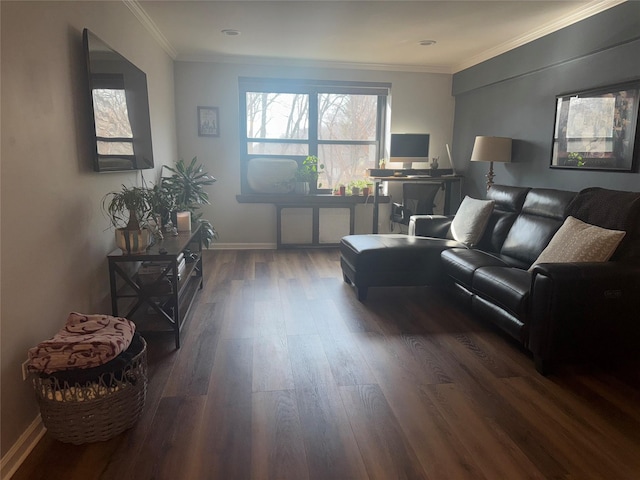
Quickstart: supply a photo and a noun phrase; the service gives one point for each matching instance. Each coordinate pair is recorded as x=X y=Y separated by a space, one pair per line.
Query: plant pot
x=355 y=191
x=365 y=191
x=133 y=241
x=301 y=188
x=343 y=191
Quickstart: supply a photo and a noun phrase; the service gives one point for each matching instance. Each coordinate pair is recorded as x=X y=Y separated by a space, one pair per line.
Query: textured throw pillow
x=576 y=241
x=471 y=219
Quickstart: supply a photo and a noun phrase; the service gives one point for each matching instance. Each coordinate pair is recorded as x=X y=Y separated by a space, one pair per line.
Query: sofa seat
x=460 y=264
x=391 y=260
x=507 y=288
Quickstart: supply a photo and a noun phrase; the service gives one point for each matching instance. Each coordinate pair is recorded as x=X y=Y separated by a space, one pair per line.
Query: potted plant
x=306 y=176
x=356 y=185
x=185 y=187
x=128 y=210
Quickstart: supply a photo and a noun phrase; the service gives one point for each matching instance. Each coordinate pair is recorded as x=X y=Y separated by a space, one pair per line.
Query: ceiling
x=356 y=34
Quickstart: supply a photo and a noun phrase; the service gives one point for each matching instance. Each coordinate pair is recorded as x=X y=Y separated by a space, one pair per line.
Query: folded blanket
x=86 y=341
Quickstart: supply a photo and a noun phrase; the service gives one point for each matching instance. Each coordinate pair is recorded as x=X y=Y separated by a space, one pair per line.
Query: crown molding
x=580 y=14
x=300 y=63
x=151 y=27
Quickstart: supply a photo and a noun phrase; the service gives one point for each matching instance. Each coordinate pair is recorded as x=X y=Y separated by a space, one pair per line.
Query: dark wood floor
x=283 y=374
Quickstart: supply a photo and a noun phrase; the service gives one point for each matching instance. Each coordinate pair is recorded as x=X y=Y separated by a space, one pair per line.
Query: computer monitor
x=407 y=148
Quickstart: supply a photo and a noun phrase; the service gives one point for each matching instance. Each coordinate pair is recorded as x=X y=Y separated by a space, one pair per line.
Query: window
x=343 y=123
x=111 y=116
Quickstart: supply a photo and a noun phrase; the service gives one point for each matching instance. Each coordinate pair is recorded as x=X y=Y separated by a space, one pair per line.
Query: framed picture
x=208 y=122
x=597 y=129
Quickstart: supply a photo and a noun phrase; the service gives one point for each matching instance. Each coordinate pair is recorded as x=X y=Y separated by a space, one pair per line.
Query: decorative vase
x=301 y=188
x=133 y=241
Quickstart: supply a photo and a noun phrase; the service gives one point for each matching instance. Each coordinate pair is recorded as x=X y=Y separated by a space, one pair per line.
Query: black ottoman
x=391 y=260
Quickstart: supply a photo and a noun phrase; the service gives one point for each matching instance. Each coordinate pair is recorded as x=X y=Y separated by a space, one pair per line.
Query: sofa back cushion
x=542 y=214
x=614 y=210
x=508 y=203
x=470 y=221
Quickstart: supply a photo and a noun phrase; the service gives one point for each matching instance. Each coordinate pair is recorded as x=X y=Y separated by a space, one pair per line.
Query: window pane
x=277 y=115
x=115 y=148
x=347 y=117
x=344 y=163
x=110 y=113
x=261 y=148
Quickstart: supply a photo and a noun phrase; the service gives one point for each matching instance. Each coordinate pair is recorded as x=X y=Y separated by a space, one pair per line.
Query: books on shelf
x=150 y=271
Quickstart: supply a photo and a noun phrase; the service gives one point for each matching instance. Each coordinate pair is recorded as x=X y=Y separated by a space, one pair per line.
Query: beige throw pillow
x=471 y=220
x=577 y=241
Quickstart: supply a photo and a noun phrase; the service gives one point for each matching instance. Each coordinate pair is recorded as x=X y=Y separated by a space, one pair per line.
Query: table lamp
x=491 y=149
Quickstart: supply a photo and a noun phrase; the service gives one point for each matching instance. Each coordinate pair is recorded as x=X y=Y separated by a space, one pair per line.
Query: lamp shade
x=491 y=149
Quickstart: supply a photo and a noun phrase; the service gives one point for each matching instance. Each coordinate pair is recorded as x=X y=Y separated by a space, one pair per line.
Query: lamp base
x=490 y=176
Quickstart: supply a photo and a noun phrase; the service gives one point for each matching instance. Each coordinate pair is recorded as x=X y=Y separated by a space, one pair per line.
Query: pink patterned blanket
x=86 y=341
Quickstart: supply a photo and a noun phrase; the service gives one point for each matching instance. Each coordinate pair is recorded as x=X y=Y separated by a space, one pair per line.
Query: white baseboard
x=21 y=449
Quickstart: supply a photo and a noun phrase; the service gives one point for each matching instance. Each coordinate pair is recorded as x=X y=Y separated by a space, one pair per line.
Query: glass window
x=343 y=123
x=113 y=128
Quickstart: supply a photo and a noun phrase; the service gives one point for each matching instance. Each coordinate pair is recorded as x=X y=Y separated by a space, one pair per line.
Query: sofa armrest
x=437 y=226
x=583 y=310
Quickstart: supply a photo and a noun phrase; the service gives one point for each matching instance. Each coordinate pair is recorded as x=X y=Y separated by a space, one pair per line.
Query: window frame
x=312 y=88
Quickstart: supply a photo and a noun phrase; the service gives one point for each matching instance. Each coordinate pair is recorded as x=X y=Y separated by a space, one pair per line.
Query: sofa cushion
x=542 y=215
x=471 y=219
x=577 y=241
x=505 y=287
x=508 y=203
x=460 y=263
x=611 y=209
x=392 y=259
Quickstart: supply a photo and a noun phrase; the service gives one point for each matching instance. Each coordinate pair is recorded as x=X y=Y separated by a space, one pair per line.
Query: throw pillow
x=471 y=220
x=577 y=241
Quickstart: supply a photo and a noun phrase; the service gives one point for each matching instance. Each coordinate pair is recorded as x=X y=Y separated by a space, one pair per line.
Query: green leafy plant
x=308 y=171
x=187 y=183
x=576 y=157
x=185 y=188
x=358 y=184
x=128 y=208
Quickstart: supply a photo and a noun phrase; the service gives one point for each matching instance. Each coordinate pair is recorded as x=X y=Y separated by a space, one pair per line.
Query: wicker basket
x=90 y=411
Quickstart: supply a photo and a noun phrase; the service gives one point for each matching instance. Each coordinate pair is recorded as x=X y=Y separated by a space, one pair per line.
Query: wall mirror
x=597 y=129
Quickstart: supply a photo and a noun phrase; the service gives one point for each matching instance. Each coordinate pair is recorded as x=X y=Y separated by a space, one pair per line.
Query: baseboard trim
x=22 y=448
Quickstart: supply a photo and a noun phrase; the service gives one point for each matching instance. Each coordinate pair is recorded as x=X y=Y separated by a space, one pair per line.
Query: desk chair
x=417 y=199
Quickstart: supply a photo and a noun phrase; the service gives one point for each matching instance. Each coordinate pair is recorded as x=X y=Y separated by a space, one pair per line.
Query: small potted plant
x=356 y=186
x=307 y=173
x=129 y=210
x=186 y=189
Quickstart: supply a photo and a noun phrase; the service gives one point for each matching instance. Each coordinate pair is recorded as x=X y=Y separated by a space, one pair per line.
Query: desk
x=446 y=180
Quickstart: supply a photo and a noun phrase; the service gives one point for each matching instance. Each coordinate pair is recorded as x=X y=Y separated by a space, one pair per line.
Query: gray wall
x=513 y=95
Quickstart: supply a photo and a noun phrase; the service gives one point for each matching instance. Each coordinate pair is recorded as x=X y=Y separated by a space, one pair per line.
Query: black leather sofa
x=558 y=311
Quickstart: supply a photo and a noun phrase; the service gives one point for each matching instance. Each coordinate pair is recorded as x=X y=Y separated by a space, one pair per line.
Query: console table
x=380 y=175
x=156 y=289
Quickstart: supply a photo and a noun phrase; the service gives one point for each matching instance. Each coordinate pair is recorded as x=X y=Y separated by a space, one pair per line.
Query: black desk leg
x=376 y=201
